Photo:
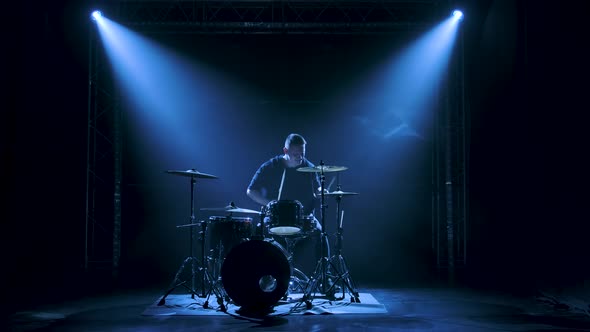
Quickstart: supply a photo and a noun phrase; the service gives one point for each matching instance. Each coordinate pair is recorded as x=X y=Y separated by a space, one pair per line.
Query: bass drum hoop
x=250 y=262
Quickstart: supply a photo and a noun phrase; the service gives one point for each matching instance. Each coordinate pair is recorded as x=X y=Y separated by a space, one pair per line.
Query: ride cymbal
x=340 y=193
x=192 y=173
x=322 y=168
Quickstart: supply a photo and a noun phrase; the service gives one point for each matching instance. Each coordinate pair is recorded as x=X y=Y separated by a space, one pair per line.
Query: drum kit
x=242 y=263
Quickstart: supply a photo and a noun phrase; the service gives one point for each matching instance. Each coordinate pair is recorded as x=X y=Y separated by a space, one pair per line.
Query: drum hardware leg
x=207 y=278
x=320 y=281
x=298 y=279
x=343 y=278
x=176 y=282
x=213 y=289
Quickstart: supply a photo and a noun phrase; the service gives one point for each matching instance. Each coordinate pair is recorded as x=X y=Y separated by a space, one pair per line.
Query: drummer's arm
x=257 y=196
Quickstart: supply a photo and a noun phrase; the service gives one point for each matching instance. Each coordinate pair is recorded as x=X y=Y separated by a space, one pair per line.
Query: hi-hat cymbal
x=340 y=193
x=231 y=208
x=322 y=168
x=192 y=173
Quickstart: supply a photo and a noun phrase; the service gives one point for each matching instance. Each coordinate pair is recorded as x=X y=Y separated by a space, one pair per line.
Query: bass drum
x=256 y=274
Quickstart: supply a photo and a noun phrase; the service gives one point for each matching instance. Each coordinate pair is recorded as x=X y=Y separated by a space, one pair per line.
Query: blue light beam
x=168 y=96
x=406 y=87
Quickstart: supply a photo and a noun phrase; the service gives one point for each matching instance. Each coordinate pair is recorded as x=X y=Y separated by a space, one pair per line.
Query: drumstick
x=331 y=183
x=281 y=187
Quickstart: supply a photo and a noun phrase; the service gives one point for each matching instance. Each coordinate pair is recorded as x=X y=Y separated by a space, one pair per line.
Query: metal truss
x=290 y=16
x=103 y=166
x=450 y=174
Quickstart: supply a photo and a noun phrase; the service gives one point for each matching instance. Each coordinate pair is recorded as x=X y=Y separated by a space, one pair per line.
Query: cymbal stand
x=320 y=274
x=202 y=268
x=338 y=262
x=260 y=229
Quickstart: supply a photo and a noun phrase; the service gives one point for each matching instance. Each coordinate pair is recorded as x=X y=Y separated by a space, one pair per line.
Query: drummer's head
x=294 y=150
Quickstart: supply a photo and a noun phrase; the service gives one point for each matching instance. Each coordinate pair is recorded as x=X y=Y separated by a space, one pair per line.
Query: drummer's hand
x=318 y=225
x=319 y=192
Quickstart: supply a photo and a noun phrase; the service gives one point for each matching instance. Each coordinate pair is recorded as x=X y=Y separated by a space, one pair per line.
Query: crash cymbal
x=240 y=210
x=340 y=193
x=320 y=168
x=236 y=210
x=231 y=208
x=192 y=173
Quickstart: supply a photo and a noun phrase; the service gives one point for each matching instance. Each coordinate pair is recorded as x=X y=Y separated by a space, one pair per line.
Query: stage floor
x=415 y=309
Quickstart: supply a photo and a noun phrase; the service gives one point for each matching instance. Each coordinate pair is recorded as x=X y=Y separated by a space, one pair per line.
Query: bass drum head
x=256 y=274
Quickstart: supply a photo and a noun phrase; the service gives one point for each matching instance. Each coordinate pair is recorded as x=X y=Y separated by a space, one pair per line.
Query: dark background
x=526 y=70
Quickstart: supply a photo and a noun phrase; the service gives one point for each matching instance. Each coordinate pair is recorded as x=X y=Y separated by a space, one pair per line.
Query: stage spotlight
x=458 y=15
x=96 y=15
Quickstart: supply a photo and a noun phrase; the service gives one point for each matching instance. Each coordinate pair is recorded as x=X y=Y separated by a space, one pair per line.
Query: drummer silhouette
x=290 y=198
x=277 y=178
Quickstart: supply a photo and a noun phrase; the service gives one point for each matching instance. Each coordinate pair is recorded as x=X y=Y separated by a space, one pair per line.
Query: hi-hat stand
x=338 y=263
x=196 y=266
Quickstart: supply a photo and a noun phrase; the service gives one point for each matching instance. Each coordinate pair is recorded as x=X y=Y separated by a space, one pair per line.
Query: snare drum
x=285 y=217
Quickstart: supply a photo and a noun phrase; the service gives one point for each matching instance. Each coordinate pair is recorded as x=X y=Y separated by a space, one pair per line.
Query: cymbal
x=231 y=208
x=192 y=173
x=320 y=168
x=236 y=210
x=188 y=225
x=340 y=193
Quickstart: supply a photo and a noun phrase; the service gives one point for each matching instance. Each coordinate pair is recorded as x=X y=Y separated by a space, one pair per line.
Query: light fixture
x=96 y=15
